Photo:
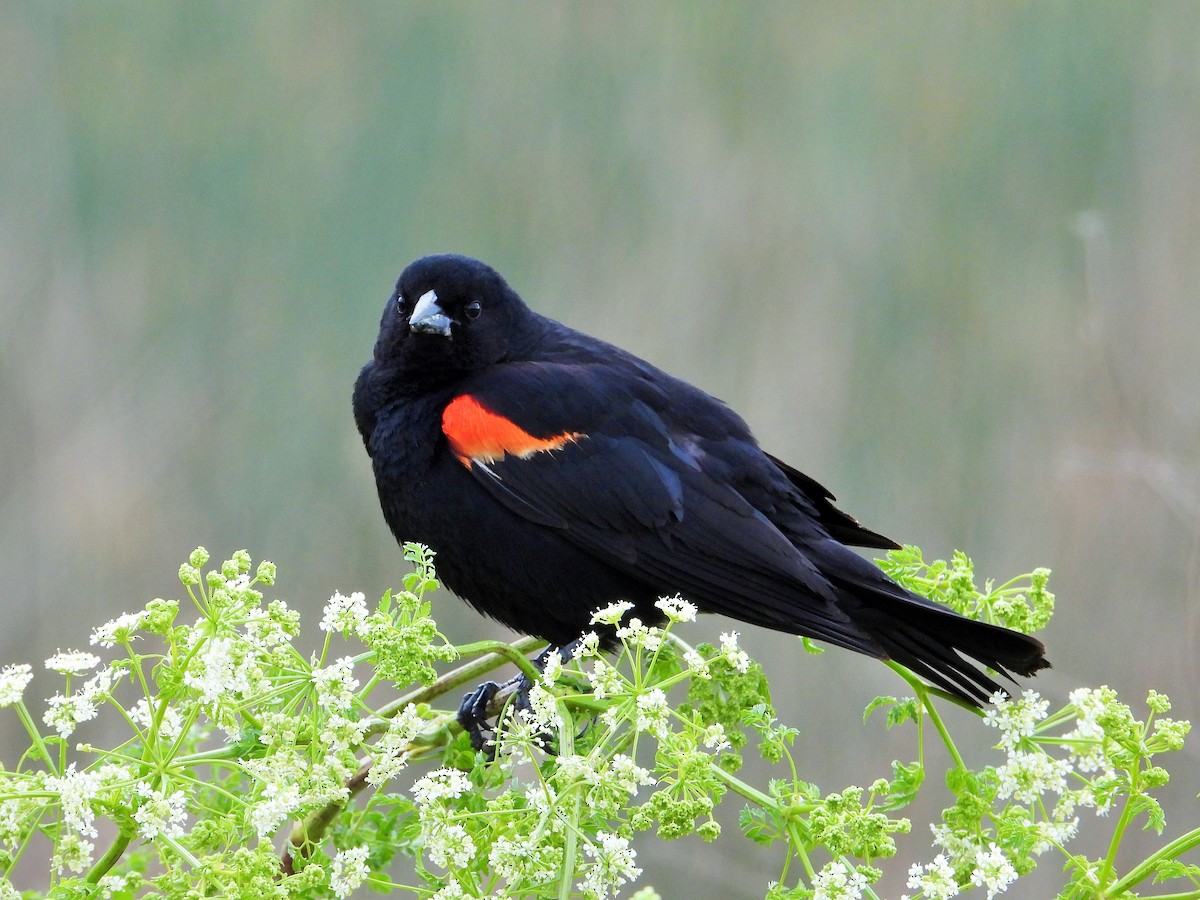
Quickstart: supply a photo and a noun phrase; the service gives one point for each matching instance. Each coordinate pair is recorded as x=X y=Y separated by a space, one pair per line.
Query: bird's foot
x=477 y=707
x=480 y=704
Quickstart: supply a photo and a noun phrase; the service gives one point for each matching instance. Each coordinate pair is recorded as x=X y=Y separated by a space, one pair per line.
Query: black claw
x=474 y=710
x=473 y=714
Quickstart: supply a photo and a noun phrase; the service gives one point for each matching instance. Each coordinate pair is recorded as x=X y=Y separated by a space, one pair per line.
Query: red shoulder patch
x=477 y=433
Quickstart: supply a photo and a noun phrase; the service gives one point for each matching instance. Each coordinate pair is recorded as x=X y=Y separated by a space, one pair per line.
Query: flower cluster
x=65 y=712
x=837 y=881
x=79 y=793
x=349 y=871
x=611 y=867
x=236 y=739
x=1032 y=799
x=346 y=615
x=13 y=681
x=159 y=812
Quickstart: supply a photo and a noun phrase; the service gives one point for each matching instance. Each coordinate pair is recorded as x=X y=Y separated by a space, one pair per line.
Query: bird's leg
x=476 y=706
x=475 y=709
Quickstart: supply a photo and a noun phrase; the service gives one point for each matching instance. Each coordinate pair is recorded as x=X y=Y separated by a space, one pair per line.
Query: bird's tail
x=933 y=641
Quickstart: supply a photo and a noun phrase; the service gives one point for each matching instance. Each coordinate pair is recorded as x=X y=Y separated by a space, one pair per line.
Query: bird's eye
x=401 y=303
x=472 y=309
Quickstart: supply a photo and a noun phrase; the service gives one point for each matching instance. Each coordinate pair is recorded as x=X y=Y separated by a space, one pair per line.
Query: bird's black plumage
x=554 y=473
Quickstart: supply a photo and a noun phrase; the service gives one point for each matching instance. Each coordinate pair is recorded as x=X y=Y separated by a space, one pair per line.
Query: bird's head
x=448 y=315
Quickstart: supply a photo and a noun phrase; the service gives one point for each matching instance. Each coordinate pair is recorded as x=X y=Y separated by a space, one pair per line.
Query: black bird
x=554 y=474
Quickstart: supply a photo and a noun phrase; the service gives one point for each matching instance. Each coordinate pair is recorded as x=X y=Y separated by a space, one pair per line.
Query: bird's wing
x=656 y=478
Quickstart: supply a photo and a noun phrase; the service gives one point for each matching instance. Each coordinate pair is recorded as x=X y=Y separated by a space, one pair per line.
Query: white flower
x=217 y=672
x=957 y=846
x=613 y=866
x=336 y=683
x=11 y=816
x=541 y=799
x=72 y=852
x=118 y=630
x=837 y=881
x=697 y=663
x=346 y=614
x=390 y=752
x=734 y=656
x=440 y=784
x=576 y=768
x=278 y=804
x=1087 y=749
x=171 y=725
x=72 y=662
x=113 y=884
x=714 y=737
x=509 y=858
x=66 y=713
x=13 y=681
x=677 y=609
x=542 y=715
x=349 y=870
x=606 y=679
x=551 y=669
x=1028 y=775
x=1016 y=718
x=267 y=629
x=449 y=846
x=652 y=712
x=1056 y=832
x=935 y=880
x=635 y=634
x=160 y=814
x=611 y=614
x=588 y=645
x=326 y=783
x=278 y=728
x=993 y=871
x=280 y=798
x=78 y=790
x=627 y=775
x=342 y=735
x=452 y=891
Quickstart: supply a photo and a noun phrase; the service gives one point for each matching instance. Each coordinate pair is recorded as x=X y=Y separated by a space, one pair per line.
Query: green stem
x=228 y=753
x=497 y=653
x=376 y=678
x=936 y=719
x=181 y=850
x=32 y=729
x=515 y=653
x=1145 y=869
x=109 y=859
x=1106 y=870
x=923 y=692
x=566 y=747
x=752 y=794
x=798 y=845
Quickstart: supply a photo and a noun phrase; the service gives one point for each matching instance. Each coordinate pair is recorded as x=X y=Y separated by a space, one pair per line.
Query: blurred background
x=945 y=258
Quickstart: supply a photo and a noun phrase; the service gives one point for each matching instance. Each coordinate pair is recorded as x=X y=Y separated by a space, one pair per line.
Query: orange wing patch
x=477 y=433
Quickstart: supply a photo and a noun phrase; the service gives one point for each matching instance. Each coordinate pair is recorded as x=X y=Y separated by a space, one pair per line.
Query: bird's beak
x=427 y=317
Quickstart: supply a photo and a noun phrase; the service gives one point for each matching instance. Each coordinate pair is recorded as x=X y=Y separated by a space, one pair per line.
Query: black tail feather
x=932 y=641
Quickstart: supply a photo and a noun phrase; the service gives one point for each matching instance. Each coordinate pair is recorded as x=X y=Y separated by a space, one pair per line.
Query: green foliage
x=235 y=740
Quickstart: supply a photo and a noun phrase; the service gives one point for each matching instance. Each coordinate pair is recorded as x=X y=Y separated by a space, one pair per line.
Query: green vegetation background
x=943 y=257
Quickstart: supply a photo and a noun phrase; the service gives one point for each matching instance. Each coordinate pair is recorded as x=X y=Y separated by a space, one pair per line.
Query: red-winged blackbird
x=554 y=474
